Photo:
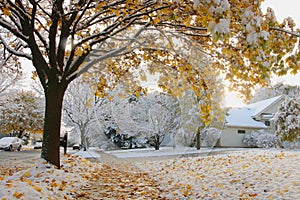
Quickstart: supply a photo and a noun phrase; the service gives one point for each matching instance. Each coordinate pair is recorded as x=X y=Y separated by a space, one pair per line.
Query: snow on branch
x=12 y=51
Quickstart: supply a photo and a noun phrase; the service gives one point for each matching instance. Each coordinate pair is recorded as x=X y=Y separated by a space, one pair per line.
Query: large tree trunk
x=83 y=136
x=54 y=97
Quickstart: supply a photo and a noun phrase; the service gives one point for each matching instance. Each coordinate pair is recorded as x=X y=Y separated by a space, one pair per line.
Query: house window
x=241 y=131
x=267 y=123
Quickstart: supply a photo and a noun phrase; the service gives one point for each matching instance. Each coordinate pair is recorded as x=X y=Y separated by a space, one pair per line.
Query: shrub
x=261 y=139
x=250 y=139
x=210 y=136
x=267 y=140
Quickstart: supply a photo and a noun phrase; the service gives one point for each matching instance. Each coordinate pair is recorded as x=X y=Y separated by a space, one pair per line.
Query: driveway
x=30 y=156
x=14 y=161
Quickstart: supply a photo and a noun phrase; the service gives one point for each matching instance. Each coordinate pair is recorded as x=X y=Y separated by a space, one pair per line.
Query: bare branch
x=286 y=31
x=112 y=53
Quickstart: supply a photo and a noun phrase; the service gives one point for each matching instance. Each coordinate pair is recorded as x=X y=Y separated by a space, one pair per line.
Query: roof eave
x=245 y=126
x=260 y=112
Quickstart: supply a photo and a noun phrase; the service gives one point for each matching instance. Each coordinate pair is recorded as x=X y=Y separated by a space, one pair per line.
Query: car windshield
x=7 y=139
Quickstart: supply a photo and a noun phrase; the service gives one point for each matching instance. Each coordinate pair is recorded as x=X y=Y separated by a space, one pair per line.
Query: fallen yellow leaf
x=37 y=188
x=29 y=182
x=188 y=186
x=18 y=195
x=54 y=184
x=185 y=193
x=27 y=174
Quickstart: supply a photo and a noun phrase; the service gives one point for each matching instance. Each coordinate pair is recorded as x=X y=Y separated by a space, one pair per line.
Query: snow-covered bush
x=250 y=139
x=210 y=136
x=261 y=139
x=268 y=140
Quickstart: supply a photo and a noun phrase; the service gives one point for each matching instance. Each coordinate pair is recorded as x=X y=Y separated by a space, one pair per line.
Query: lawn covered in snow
x=239 y=174
x=257 y=174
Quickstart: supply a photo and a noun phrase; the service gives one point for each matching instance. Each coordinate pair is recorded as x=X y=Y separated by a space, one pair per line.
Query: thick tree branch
x=13 y=51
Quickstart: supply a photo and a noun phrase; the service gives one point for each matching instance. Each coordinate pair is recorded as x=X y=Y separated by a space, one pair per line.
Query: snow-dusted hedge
x=210 y=136
x=267 y=140
x=261 y=139
x=250 y=139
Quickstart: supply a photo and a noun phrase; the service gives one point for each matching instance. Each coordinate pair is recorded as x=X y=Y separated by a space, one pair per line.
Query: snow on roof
x=259 y=106
x=241 y=117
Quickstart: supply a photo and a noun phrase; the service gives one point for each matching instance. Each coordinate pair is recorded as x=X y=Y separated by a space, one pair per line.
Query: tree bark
x=198 y=139
x=54 y=97
x=84 y=142
x=157 y=143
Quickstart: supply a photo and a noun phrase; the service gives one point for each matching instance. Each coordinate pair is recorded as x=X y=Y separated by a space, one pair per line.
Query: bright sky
x=283 y=9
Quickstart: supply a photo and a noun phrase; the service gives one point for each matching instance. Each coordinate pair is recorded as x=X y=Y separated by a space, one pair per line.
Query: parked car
x=76 y=147
x=10 y=144
x=38 y=145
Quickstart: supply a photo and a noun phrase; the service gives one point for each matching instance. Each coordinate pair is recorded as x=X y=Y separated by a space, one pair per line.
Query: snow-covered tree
x=190 y=119
x=10 y=66
x=193 y=108
x=153 y=116
x=287 y=120
x=82 y=111
x=8 y=77
x=21 y=111
x=275 y=90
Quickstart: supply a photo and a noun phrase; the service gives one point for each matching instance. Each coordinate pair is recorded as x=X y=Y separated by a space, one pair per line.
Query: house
x=241 y=121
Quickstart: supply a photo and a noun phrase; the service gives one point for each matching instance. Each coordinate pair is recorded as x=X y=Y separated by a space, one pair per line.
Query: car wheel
x=19 y=148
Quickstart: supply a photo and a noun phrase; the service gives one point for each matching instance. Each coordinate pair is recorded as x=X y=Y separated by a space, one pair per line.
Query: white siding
x=231 y=138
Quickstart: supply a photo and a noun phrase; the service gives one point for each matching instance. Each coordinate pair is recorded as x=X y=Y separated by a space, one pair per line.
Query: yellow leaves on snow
x=27 y=174
x=18 y=195
x=9 y=183
x=39 y=189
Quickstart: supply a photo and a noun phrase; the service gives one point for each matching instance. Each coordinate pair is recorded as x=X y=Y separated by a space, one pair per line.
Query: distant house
x=240 y=121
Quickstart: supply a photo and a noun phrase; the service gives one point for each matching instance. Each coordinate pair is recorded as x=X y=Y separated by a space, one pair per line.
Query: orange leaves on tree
x=99 y=5
x=78 y=52
x=6 y=11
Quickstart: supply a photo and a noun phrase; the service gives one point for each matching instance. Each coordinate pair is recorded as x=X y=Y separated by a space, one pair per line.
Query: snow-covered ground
x=214 y=174
x=251 y=174
x=169 y=151
x=44 y=181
